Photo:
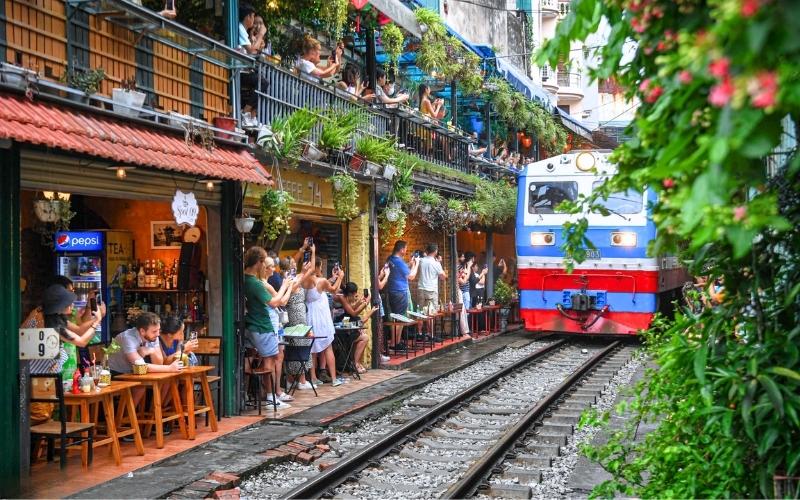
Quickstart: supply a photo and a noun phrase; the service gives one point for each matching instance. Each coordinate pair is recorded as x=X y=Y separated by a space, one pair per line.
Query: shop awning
x=53 y=126
x=400 y=14
x=573 y=125
x=518 y=79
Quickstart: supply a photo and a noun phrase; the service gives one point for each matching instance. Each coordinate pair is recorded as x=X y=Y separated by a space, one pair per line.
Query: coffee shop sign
x=184 y=208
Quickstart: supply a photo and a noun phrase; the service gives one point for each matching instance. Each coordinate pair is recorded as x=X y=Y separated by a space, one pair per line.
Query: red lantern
x=359 y=4
x=527 y=142
x=383 y=19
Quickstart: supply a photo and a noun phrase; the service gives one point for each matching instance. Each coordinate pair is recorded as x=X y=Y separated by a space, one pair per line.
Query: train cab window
x=544 y=197
x=626 y=202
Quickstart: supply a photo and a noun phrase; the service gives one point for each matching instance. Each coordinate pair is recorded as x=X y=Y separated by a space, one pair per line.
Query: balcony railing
x=549 y=8
x=563 y=9
x=569 y=79
x=287 y=92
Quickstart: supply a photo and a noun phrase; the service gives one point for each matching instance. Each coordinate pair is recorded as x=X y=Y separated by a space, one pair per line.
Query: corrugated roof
x=68 y=129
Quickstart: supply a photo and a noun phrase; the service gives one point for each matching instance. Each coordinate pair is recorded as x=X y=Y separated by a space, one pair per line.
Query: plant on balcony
x=429 y=199
x=376 y=149
x=495 y=203
x=275 y=213
x=334 y=14
x=503 y=293
x=345 y=196
x=85 y=81
x=127 y=99
x=289 y=133
x=338 y=127
x=392 y=40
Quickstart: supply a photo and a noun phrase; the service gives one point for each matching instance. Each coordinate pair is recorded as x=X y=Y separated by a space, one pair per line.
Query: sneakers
x=400 y=347
x=337 y=383
x=285 y=397
x=385 y=359
x=305 y=386
x=324 y=377
x=280 y=406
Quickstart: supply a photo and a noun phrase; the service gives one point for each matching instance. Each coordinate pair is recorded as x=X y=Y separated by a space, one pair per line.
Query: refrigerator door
x=79 y=257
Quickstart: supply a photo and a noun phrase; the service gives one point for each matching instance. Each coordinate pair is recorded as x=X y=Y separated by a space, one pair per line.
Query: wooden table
x=105 y=396
x=154 y=381
x=493 y=318
x=188 y=375
x=474 y=314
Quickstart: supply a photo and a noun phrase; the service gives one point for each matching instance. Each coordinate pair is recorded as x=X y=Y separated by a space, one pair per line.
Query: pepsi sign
x=69 y=241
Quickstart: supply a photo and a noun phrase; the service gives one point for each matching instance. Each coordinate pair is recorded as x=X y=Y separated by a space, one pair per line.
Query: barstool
x=254 y=368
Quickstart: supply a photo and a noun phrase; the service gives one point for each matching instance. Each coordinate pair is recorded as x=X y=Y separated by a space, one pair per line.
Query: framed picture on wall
x=165 y=235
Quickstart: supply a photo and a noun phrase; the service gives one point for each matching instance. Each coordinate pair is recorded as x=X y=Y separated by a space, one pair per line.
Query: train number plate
x=592 y=254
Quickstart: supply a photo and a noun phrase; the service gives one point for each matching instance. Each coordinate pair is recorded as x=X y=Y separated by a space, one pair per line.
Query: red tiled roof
x=68 y=129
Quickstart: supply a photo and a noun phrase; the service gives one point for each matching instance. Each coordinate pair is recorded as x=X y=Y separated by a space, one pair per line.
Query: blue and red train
x=618 y=288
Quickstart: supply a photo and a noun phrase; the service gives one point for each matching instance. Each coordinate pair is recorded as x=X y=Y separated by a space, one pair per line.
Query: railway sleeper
x=573 y=406
x=377 y=484
x=510 y=491
x=499 y=402
x=504 y=419
x=552 y=438
x=493 y=410
x=525 y=459
x=416 y=455
x=588 y=398
x=586 y=392
x=462 y=435
x=551 y=428
x=570 y=417
x=431 y=443
x=528 y=476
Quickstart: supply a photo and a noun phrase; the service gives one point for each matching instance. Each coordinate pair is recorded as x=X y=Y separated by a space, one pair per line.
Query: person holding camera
x=430 y=271
x=319 y=317
x=400 y=275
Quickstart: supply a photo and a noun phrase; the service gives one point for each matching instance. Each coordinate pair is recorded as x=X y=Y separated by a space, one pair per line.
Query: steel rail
x=360 y=459
x=478 y=471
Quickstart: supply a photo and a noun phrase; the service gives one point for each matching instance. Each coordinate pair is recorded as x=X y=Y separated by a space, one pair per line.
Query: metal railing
x=565 y=79
x=563 y=9
x=281 y=92
x=549 y=5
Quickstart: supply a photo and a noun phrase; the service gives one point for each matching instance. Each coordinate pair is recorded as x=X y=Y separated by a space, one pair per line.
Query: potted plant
x=128 y=100
x=392 y=40
x=275 y=213
x=503 y=294
x=244 y=224
x=376 y=150
x=87 y=82
x=54 y=215
x=429 y=199
x=392 y=222
x=345 y=196
x=288 y=133
x=338 y=129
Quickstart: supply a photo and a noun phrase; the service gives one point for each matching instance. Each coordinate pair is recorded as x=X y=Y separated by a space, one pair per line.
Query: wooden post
x=375 y=266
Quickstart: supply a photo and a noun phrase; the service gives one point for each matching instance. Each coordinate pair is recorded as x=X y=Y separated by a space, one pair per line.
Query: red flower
x=668 y=183
x=685 y=76
x=721 y=93
x=739 y=213
x=764 y=89
x=662 y=46
x=720 y=68
x=750 y=8
x=638 y=25
x=654 y=94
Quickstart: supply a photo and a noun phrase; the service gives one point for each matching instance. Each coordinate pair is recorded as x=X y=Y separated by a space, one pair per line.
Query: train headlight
x=543 y=239
x=623 y=239
x=585 y=161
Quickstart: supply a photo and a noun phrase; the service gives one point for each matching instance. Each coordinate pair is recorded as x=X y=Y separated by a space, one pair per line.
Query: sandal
x=360 y=369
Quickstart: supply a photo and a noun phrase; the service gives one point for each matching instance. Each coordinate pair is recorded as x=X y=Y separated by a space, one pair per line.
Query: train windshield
x=626 y=202
x=544 y=197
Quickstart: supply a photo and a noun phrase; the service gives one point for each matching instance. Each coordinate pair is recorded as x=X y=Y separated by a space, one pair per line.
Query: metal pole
x=487 y=125
x=375 y=265
x=369 y=39
x=453 y=103
x=490 y=264
x=12 y=463
x=230 y=246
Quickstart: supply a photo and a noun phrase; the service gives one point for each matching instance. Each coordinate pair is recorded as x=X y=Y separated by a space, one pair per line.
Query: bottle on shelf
x=141 y=278
x=175 y=274
x=157 y=306
x=168 y=306
x=145 y=304
x=195 y=310
x=137 y=303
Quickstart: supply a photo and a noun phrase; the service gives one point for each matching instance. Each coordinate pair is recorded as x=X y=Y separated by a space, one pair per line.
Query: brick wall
x=358 y=252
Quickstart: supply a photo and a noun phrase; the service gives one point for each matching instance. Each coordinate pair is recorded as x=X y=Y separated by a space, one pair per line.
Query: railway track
x=452 y=448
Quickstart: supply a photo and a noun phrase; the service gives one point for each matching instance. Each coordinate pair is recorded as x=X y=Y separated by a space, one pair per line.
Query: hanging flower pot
x=47 y=210
x=392 y=214
x=425 y=208
x=312 y=152
x=389 y=172
x=244 y=224
x=394 y=205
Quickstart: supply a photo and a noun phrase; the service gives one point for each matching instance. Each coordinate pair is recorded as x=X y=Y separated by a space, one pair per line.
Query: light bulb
x=64 y=196
x=210 y=185
x=49 y=195
x=121 y=173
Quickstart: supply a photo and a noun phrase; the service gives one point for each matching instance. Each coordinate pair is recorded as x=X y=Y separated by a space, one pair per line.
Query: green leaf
x=766 y=441
x=786 y=372
x=773 y=392
x=700 y=357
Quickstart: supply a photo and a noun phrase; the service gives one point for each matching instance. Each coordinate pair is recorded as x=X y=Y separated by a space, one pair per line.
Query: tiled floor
x=398 y=358
x=49 y=481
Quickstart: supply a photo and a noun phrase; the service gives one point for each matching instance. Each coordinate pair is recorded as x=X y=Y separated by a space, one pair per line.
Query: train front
x=614 y=291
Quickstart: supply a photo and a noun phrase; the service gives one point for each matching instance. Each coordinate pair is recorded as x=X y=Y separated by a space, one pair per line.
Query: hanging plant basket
x=312 y=153
x=356 y=162
x=394 y=205
x=245 y=224
x=389 y=172
x=345 y=196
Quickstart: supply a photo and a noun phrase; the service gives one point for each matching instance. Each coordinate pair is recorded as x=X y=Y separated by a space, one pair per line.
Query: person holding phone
x=173 y=343
x=397 y=286
x=308 y=64
x=319 y=317
x=435 y=109
x=430 y=271
x=382 y=95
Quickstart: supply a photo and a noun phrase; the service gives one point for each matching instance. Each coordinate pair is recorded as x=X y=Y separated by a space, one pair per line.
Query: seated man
x=355 y=308
x=138 y=344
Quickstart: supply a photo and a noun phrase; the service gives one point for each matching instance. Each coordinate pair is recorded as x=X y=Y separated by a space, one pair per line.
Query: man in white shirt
x=430 y=272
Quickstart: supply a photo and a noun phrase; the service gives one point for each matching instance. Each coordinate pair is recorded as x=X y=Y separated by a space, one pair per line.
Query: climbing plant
x=392 y=40
x=715 y=138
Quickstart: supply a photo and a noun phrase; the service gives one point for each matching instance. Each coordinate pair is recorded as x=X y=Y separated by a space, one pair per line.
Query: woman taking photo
x=433 y=109
x=319 y=317
x=355 y=308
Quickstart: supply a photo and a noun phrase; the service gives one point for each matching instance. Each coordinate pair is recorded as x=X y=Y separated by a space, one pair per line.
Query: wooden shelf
x=159 y=290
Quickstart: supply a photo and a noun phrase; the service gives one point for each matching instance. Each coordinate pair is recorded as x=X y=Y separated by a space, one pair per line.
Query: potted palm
x=288 y=135
x=337 y=131
x=128 y=100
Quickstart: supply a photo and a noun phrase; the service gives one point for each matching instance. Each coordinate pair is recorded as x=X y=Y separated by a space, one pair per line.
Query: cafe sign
x=184 y=208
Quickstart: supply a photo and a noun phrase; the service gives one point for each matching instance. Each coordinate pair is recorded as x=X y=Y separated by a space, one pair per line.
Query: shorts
x=266 y=343
x=427 y=297
x=398 y=302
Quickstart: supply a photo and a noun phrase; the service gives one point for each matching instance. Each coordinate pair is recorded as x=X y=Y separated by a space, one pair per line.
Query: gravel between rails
x=278 y=479
x=555 y=479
